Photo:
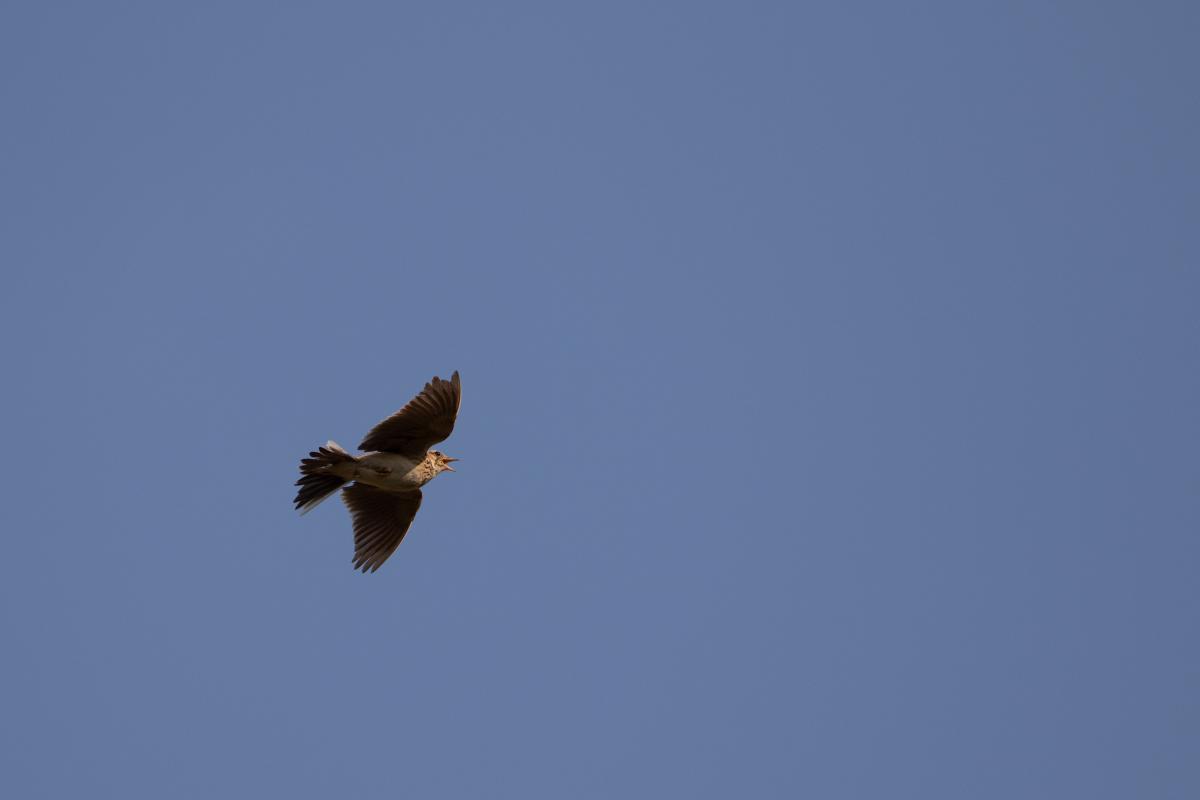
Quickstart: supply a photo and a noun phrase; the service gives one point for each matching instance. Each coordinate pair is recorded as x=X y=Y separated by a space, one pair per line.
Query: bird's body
x=392 y=472
x=385 y=492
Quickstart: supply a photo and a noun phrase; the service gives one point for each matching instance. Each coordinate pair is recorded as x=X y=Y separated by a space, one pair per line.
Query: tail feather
x=315 y=482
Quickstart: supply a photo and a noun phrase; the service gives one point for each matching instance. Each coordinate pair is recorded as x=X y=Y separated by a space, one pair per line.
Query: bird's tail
x=316 y=479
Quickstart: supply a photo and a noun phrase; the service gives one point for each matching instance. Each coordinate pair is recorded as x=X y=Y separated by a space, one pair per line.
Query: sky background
x=830 y=398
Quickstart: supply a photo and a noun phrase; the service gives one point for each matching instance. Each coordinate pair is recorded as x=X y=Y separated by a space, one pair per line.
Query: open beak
x=447 y=461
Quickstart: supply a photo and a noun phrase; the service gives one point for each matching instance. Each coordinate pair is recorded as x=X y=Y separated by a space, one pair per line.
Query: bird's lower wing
x=380 y=521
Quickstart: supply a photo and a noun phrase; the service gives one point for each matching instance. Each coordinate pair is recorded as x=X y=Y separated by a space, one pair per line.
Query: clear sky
x=831 y=398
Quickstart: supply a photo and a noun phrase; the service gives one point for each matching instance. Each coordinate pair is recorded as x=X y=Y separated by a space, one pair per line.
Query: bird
x=386 y=479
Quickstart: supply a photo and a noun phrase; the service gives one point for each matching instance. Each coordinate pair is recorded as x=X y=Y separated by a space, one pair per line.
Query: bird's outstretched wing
x=426 y=420
x=381 y=519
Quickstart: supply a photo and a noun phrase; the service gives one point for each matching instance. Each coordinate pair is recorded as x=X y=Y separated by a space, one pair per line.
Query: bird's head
x=441 y=462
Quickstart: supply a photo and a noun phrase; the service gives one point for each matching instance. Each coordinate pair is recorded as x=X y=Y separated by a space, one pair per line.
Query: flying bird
x=385 y=482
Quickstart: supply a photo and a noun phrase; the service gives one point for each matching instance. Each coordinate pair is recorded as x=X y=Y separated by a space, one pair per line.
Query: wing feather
x=423 y=422
x=381 y=519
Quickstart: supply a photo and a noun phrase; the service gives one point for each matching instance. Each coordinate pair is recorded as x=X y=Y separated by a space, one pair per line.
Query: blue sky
x=830 y=399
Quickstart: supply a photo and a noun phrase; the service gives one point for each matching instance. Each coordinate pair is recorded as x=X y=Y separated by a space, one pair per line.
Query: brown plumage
x=387 y=480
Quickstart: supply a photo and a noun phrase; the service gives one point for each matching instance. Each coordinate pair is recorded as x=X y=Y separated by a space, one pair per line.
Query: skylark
x=386 y=492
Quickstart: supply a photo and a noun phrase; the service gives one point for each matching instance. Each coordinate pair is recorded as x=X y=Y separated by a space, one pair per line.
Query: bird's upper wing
x=381 y=519
x=426 y=420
